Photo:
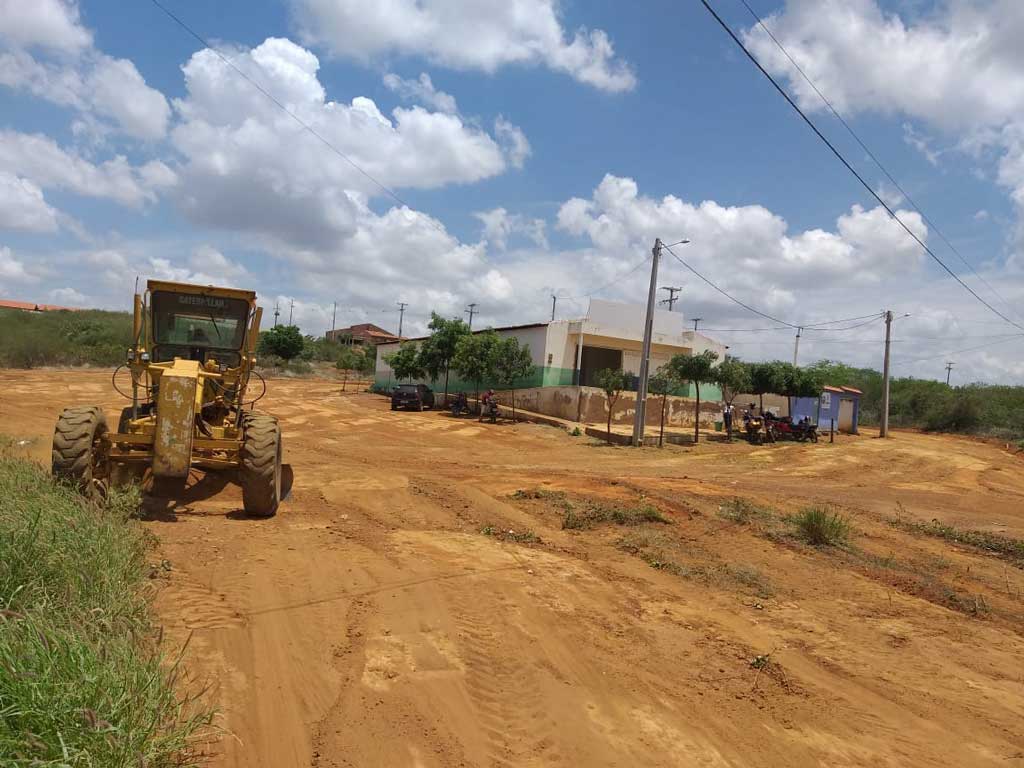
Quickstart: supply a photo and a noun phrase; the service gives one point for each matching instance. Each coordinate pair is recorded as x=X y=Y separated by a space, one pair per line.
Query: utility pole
x=553 y=300
x=695 y=321
x=470 y=310
x=277 y=311
x=671 y=300
x=291 y=310
x=334 y=317
x=401 y=316
x=796 y=346
x=645 y=355
x=949 y=369
x=884 y=430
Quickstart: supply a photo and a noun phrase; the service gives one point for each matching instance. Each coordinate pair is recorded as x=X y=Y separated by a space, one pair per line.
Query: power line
x=952 y=352
x=624 y=275
x=850 y=168
x=873 y=157
x=306 y=126
x=729 y=296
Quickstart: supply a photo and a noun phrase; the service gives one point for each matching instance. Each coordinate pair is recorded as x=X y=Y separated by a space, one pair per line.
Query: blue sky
x=554 y=142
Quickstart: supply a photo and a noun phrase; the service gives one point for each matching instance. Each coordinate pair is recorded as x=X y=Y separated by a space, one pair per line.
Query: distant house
x=28 y=306
x=839 y=406
x=363 y=334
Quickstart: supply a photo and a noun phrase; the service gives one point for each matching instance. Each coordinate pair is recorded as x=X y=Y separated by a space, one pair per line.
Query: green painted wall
x=548 y=376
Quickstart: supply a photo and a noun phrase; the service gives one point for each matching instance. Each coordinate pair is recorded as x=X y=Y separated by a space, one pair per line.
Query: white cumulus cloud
x=23 y=207
x=464 y=34
x=421 y=90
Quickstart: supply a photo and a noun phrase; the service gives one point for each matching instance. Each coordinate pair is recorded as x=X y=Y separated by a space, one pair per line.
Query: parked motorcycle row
x=768 y=428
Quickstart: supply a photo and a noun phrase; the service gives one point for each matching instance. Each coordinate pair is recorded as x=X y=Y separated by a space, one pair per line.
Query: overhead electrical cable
x=306 y=126
x=842 y=159
x=950 y=353
x=620 y=277
x=873 y=157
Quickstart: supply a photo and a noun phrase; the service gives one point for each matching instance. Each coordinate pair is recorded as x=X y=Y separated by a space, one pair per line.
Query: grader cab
x=190 y=363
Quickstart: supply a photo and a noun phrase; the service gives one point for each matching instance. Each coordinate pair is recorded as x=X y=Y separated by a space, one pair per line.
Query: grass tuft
x=1006 y=546
x=822 y=527
x=82 y=682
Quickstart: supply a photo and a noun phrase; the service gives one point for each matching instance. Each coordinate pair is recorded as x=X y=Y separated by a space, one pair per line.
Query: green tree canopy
x=406 y=361
x=734 y=377
x=512 y=361
x=475 y=356
x=696 y=368
x=612 y=381
x=284 y=341
x=438 y=351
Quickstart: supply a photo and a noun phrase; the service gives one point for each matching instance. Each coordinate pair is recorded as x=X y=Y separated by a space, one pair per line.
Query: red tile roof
x=28 y=306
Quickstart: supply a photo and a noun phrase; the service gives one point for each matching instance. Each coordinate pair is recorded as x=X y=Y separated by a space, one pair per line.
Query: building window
x=551 y=358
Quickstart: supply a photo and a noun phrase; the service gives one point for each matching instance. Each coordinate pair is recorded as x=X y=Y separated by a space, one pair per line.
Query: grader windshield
x=187 y=324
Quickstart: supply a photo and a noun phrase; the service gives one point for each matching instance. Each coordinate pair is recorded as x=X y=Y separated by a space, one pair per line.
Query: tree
x=437 y=351
x=612 y=381
x=284 y=341
x=695 y=368
x=661 y=383
x=512 y=361
x=733 y=376
x=405 y=362
x=767 y=378
x=474 y=357
x=360 y=359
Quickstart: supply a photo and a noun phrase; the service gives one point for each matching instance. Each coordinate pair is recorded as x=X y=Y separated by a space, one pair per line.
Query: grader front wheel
x=77 y=448
x=260 y=473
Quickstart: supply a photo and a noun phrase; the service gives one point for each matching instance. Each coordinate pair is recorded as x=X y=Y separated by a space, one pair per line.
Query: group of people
x=461 y=403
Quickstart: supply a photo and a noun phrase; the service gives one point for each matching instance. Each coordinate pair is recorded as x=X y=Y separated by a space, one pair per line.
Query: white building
x=569 y=353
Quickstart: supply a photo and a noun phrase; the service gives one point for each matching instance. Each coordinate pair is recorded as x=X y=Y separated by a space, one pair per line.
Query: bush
x=959 y=412
x=822 y=526
x=88 y=337
x=284 y=341
x=81 y=680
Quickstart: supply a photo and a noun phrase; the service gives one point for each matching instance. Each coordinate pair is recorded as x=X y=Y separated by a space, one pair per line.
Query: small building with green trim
x=569 y=353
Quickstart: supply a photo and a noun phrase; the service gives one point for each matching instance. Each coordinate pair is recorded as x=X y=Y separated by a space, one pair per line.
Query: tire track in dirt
x=505 y=691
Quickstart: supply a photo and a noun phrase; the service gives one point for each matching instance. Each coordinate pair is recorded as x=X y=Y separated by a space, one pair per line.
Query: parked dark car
x=415 y=396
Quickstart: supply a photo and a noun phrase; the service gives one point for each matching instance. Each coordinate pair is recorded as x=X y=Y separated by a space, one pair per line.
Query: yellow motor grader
x=191 y=360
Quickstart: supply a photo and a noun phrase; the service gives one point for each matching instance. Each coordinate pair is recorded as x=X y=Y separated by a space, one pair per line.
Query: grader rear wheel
x=260 y=473
x=76 y=455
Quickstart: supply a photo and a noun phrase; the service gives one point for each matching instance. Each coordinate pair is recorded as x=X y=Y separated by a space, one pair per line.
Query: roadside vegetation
x=82 y=681
x=981 y=409
x=88 y=337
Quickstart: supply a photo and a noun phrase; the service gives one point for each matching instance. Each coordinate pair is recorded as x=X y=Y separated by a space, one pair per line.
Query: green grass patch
x=89 y=337
x=1006 y=546
x=539 y=493
x=82 y=682
x=822 y=526
x=596 y=514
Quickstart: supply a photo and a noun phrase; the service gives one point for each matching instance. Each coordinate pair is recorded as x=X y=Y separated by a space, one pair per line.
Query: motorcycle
x=757 y=432
x=490 y=411
x=460 y=407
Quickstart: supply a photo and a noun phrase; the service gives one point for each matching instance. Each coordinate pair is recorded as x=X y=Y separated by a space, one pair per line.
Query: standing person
x=727 y=419
x=485 y=401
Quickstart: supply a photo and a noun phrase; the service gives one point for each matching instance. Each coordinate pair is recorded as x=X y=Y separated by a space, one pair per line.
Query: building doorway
x=596 y=359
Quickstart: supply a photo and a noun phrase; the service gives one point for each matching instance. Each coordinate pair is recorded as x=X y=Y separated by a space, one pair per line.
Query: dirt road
x=408 y=608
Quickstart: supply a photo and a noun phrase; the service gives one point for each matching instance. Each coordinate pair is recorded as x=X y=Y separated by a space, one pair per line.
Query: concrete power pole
x=470 y=310
x=401 y=316
x=695 y=321
x=277 y=312
x=949 y=370
x=554 y=299
x=291 y=310
x=671 y=300
x=884 y=428
x=796 y=347
x=334 y=317
x=645 y=356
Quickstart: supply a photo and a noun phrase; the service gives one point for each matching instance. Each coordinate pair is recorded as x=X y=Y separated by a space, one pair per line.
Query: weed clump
x=518 y=537
x=822 y=527
x=539 y=493
x=743 y=511
x=596 y=514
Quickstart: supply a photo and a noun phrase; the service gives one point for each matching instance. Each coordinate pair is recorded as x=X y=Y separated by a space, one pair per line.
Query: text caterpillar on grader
x=192 y=356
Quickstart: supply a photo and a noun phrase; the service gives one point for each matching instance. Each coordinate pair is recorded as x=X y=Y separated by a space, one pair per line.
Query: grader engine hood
x=177 y=405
